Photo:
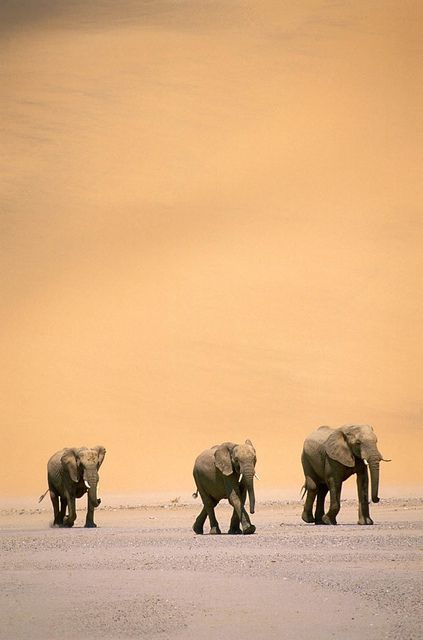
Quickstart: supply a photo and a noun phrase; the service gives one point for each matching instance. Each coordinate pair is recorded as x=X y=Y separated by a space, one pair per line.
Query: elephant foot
x=90 y=525
x=214 y=531
x=307 y=517
x=366 y=520
x=235 y=532
x=327 y=520
x=197 y=529
x=67 y=523
x=319 y=521
x=249 y=530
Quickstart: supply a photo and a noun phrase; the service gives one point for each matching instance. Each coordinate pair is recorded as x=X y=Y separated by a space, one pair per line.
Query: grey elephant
x=226 y=471
x=329 y=457
x=71 y=473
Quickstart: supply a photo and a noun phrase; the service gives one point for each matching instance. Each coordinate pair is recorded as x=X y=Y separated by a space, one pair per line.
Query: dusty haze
x=211 y=229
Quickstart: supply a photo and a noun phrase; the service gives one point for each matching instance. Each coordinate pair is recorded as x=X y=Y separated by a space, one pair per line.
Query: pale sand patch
x=143 y=573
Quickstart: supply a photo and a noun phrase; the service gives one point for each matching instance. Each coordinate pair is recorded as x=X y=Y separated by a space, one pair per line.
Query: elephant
x=72 y=472
x=226 y=471
x=329 y=457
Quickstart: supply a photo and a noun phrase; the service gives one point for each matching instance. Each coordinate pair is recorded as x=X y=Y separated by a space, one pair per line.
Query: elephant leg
x=71 y=517
x=235 y=526
x=198 y=526
x=320 y=505
x=335 y=501
x=209 y=505
x=363 y=497
x=311 y=487
x=239 y=509
x=62 y=513
x=55 y=502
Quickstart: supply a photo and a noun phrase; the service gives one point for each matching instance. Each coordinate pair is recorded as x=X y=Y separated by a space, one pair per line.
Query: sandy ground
x=143 y=573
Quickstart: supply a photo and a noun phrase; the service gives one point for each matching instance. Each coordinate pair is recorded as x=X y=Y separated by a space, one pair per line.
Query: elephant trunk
x=248 y=475
x=91 y=477
x=373 y=462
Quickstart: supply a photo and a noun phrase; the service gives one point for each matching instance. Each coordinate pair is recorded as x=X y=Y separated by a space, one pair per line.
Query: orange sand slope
x=210 y=231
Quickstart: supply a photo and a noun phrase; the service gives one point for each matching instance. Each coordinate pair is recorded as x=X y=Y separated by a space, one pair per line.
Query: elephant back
x=319 y=436
x=54 y=460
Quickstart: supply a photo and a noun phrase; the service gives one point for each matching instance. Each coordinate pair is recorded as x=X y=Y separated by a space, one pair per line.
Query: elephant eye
x=358 y=441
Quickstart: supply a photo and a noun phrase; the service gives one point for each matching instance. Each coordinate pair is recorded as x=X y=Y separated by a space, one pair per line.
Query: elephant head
x=82 y=465
x=239 y=459
x=356 y=441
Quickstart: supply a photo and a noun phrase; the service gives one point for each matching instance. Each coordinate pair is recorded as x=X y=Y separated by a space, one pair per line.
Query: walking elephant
x=71 y=473
x=226 y=471
x=329 y=457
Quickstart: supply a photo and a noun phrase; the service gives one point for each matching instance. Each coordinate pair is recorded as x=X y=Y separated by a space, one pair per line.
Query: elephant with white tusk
x=226 y=471
x=71 y=473
x=329 y=457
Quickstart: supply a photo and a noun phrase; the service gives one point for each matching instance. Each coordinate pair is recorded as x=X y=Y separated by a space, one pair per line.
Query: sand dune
x=210 y=230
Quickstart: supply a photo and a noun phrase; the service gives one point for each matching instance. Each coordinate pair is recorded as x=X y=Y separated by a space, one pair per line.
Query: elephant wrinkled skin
x=71 y=473
x=226 y=471
x=329 y=457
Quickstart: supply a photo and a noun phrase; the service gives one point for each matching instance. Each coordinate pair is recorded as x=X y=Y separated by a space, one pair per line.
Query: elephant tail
x=309 y=485
x=43 y=496
x=195 y=494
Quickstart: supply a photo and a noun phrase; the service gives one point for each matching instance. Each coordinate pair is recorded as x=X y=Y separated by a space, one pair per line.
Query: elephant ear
x=222 y=459
x=337 y=448
x=250 y=444
x=101 y=453
x=70 y=463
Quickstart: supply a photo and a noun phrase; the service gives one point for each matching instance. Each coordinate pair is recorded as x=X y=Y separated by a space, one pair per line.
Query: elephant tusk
x=365 y=462
x=240 y=477
x=386 y=460
x=87 y=485
x=256 y=476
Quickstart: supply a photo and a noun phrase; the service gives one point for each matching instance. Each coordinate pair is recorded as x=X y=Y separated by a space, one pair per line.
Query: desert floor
x=143 y=573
